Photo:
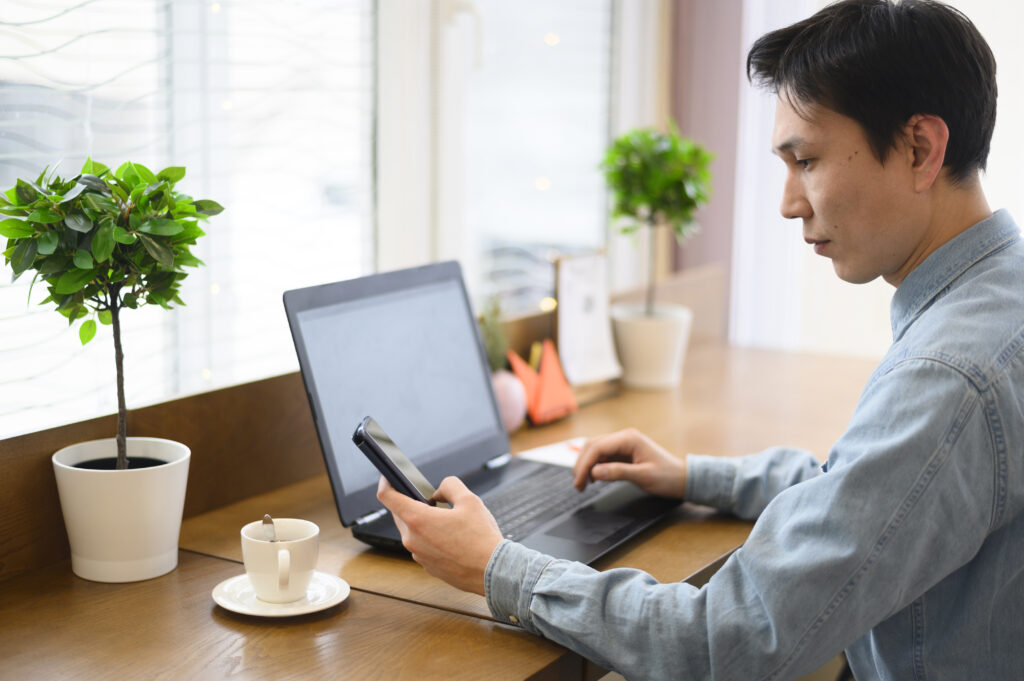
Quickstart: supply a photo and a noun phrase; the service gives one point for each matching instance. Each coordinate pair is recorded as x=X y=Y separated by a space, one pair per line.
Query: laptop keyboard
x=526 y=504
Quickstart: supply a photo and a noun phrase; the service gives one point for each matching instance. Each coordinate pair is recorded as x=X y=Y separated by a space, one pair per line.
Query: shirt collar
x=946 y=264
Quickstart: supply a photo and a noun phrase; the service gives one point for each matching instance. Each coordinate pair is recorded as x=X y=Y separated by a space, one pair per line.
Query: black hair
x=880 y=63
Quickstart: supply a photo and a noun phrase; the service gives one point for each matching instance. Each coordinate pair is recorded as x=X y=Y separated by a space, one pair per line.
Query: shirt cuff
x=511 y=574
x=710 y=481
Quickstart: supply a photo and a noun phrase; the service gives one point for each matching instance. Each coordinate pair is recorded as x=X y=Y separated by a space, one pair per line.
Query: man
x=906 y=548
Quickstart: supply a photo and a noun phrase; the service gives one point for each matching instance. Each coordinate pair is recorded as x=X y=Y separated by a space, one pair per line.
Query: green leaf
x=94 y=183
x=78 y=222
x=208 y=207
x=186 y=259
x=73 y=280
x=57 y=263
x=191 y=233
x=23 y=257
x=144 y=173
x=87 y=331
x=45 y=216
x=105 y=317
x=72 y=193
x=13 y=228
x=103 y=242
x=76 y=312
x=130 y=301
x=26 y=192
x=100 y=204
x=160 y=252
x=48 y=243
x=122 y=236
x=161 y=227
x=172 y=174
x=83 y=260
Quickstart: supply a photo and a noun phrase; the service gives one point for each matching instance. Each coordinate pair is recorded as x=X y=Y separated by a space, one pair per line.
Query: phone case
x=383 y=463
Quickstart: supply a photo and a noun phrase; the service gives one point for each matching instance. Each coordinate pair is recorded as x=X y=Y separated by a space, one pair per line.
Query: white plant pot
x=652 y=348
x=123 y=526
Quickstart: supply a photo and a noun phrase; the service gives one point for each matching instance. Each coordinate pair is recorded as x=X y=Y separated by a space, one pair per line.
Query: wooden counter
x=54 y=625
x=398 y=623
x=732 y=401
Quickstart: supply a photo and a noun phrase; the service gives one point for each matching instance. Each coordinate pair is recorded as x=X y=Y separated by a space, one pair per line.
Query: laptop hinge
x=498 y=461
x=370 y=517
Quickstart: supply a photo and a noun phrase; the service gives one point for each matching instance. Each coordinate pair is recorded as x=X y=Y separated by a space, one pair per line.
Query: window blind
x=269 y=105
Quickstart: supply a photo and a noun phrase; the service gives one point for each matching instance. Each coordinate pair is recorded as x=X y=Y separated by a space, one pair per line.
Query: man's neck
x=953 y=209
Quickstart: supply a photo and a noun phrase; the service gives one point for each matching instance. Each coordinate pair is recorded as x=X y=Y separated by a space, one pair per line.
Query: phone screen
x=409 y=474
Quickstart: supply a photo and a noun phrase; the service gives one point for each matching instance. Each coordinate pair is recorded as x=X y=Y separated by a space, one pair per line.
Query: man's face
x=863 y=215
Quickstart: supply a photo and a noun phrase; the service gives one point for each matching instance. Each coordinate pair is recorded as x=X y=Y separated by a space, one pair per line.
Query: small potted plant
x=102 y=242
x=657 y=181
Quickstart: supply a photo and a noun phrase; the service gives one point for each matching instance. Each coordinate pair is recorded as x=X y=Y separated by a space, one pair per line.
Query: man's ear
x=928 y=136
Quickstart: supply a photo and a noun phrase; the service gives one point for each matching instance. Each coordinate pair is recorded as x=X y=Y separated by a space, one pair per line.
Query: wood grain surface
x=56 y=626
x=731 y=402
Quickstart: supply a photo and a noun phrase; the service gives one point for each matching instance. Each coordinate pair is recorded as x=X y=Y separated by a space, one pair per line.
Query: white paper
x=559 y=454
x=585 y=345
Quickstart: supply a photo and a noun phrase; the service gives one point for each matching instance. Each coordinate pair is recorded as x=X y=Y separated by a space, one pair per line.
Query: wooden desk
x=56 y=626
x=732 y=401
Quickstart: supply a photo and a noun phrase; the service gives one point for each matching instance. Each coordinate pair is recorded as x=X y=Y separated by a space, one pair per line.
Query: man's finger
x=618 y=471
x=617 y=445
x=396 y=502
x=451 y=490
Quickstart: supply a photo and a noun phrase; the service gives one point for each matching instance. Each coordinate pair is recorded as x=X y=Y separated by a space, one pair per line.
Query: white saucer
x=237 y=595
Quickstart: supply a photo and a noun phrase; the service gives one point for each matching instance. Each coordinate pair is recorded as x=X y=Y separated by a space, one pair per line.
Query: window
x=270 y=106
x=537 y=121
x=520 y=115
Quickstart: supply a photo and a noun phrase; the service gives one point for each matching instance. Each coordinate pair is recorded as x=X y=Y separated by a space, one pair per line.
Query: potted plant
x=657 y=181
x=102 y=242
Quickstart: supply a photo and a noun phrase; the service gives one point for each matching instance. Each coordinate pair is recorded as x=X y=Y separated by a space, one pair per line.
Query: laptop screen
x=402 y=347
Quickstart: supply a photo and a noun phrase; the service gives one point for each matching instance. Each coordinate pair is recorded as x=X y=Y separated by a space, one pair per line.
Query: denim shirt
x=906 y=548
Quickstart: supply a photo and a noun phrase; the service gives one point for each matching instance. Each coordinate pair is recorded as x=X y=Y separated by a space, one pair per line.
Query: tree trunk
x=652 y=233
x=122 y=412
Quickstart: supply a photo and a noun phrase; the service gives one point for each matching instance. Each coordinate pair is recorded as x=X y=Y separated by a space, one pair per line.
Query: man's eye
x=804 y=162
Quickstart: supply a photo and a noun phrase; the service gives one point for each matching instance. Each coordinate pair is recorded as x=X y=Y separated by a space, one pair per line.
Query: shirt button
x=513 y=619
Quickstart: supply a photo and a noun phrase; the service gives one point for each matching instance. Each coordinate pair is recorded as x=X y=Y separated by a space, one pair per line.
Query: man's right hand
x=631 y=455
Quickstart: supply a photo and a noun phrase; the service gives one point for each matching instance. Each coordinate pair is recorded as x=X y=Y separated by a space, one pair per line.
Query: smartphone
x=392 y=462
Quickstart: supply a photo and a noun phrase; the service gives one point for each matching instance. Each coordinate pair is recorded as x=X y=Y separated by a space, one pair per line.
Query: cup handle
x=284 y=559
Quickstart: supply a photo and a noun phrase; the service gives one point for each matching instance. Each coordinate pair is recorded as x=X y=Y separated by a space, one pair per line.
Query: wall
x=708 y=67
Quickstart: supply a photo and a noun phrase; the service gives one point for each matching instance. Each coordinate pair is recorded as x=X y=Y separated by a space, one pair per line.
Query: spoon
x=268 y=528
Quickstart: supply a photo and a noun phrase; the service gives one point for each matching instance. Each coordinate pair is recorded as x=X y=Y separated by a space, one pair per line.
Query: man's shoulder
x=977 y=321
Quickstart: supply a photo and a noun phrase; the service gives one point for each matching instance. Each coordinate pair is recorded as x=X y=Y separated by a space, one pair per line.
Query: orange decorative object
x=548 y=395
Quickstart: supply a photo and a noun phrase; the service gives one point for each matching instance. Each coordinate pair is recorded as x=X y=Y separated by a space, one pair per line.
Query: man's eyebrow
x=788 y=145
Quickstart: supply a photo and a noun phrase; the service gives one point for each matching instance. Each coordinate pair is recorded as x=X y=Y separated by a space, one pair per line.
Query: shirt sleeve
x=907 y=499
x=746 y=485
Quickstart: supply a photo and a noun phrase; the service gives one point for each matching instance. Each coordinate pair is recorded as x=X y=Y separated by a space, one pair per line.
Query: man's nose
x=794 y=201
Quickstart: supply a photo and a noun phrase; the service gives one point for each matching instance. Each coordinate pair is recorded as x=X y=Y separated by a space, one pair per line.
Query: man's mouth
x=819 y=245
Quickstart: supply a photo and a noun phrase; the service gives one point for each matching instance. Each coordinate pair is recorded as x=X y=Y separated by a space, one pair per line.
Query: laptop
x=404 y=348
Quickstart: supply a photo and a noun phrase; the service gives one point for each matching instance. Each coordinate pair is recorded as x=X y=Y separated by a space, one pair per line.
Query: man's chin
x=852 y=276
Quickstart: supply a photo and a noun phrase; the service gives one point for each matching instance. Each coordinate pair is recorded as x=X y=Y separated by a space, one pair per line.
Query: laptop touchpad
x=590 y=526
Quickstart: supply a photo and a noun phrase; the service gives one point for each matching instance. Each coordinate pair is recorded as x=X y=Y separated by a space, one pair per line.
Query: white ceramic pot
x=123 y=526
x=651 y=348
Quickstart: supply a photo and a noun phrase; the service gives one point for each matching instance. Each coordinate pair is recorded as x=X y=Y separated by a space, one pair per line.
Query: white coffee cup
x=280 y=571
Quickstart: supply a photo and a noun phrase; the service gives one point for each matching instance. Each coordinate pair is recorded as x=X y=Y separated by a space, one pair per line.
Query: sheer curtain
x=270 y=106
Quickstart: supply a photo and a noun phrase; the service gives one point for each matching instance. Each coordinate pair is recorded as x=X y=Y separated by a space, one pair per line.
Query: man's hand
x=631 y=455
x=452 y=544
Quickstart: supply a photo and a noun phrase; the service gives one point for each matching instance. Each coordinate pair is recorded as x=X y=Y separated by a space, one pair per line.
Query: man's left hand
x=453 y=544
